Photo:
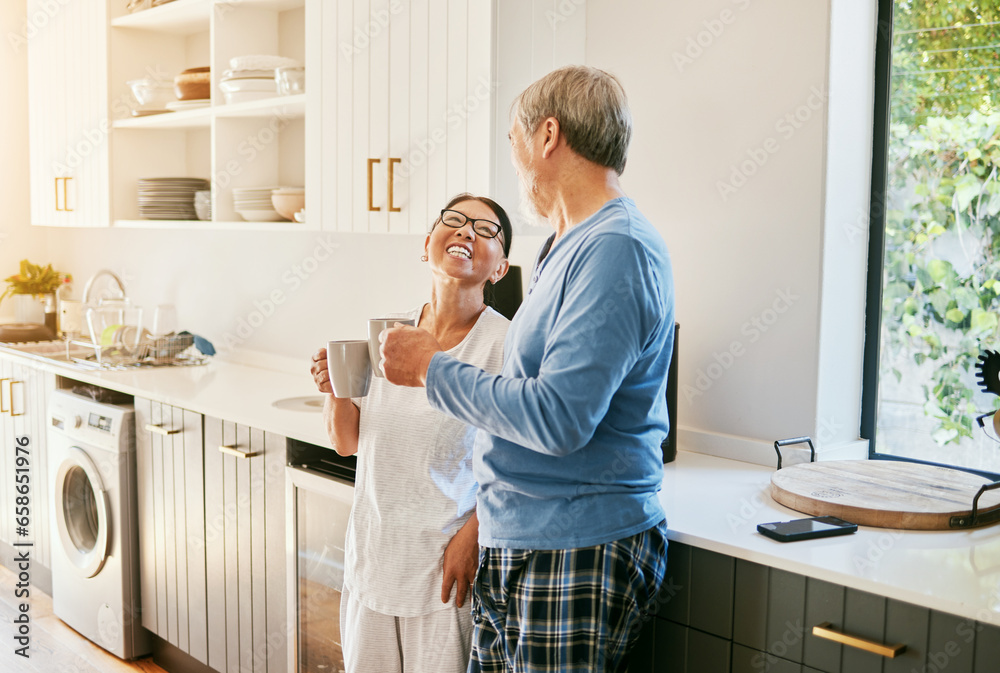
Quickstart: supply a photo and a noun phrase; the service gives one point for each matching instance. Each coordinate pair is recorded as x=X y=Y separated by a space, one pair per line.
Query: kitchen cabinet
x=24 y=395
x=414 y=103
x=259 y=143
x=723 y=614
x=245 y=537
x=67 y=104
x=172 y=535
x=405 y=110
x=406 y=104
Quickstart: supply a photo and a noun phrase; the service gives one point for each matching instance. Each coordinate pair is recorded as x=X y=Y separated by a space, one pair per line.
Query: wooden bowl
x=193 y=84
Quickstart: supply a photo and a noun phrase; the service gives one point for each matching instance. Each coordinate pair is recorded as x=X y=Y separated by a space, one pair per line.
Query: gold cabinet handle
x=889 y=651
x=11 y=389
x=65 y=198
x=160 y=430
x=9 y=396
x=392 y=160
x=235 y=451
x=57 y=194
x=371 y=204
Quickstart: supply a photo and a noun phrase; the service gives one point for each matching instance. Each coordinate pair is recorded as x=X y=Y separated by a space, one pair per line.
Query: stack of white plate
x=253 y=204
x=251 y=77
x=169 y=198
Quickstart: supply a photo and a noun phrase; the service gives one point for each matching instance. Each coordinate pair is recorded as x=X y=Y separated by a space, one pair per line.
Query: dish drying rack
x=172 y=350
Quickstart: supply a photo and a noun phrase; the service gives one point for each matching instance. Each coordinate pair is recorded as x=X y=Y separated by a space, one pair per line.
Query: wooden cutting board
x=884 y=493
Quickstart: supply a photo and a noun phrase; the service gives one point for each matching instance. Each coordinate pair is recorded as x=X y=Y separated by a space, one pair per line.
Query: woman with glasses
x=412 y=541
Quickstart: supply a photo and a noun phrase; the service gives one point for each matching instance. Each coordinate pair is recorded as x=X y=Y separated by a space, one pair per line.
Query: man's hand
x=460 y=560
x=320 y=374
x=406 y=354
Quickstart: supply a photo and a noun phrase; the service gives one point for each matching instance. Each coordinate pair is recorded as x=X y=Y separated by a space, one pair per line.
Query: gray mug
x=349 y=366
x=375 y=327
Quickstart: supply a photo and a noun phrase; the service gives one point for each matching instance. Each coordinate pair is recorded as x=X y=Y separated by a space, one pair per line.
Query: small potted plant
x=33 y=280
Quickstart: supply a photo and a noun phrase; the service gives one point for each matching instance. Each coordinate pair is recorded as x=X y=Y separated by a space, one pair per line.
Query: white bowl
x=152 y=94
x=260 y=215
x=248 y=84
x=233 y=97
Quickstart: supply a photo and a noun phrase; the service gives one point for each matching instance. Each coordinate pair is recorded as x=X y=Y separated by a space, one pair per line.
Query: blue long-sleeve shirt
x=571 y=452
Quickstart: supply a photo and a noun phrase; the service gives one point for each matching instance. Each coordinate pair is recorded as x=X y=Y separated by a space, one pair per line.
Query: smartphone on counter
x=806 y=529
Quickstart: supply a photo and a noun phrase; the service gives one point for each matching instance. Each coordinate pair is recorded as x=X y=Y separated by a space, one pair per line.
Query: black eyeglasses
x=457 y=220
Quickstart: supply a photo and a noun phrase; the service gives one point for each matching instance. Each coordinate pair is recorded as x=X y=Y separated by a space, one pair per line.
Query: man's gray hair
x=591 y=109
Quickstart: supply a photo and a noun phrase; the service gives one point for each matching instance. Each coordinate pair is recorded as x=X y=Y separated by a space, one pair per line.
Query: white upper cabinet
x=67 y=105
x=414 y=102
x=405 y=110
x=405 y=106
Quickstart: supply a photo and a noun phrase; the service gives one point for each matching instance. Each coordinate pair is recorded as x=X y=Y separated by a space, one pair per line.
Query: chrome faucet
x=90 y=284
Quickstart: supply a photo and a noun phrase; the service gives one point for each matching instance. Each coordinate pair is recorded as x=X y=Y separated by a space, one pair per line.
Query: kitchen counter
x=228 y=390
x=716 y=504
x=713 y=503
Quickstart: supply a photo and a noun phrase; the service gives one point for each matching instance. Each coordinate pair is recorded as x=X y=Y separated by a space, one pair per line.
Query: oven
x=320 y=493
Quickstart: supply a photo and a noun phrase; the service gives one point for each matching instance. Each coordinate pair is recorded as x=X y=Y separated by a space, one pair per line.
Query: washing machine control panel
x=98 y=422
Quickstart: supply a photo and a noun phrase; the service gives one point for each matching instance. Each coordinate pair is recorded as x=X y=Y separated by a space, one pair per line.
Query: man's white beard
x=526 y=207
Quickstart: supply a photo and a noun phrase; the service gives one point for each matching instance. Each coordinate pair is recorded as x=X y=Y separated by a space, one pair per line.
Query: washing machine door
x=81 y=508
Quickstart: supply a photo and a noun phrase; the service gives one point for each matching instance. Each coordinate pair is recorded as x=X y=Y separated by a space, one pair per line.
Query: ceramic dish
x=234 y=97
x=181 y=105
x=248 y=84
x=259 y=215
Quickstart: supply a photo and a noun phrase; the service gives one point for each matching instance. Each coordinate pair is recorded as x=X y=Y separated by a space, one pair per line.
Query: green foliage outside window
x=941 y=285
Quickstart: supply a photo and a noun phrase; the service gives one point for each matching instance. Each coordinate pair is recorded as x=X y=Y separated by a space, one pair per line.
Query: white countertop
x=712 y=503
x=716 y=504
x=226 y=390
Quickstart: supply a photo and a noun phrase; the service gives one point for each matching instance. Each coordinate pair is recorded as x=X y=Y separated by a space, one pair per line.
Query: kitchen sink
x=56 y=351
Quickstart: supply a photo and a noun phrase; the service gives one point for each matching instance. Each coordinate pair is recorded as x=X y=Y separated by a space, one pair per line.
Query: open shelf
x=186 y=119
x=286 y=106
x=180 y=17
x=207 y=225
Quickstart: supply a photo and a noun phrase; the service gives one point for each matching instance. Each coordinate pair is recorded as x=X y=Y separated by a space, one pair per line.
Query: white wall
x=754 y=268
x=17 y=240
x=730 y=160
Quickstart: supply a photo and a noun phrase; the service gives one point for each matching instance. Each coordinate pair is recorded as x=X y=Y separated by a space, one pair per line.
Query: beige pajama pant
x=439 y=642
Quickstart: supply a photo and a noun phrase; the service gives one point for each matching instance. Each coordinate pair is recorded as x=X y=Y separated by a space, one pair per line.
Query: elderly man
x=572 y=534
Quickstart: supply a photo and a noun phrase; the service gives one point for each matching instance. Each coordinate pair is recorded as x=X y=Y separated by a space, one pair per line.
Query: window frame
x=876 y=245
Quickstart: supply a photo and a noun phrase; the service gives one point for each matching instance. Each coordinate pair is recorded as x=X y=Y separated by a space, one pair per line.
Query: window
x=934 y=256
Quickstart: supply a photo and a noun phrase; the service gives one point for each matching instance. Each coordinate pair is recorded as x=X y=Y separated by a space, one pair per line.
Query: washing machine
x=95 y=539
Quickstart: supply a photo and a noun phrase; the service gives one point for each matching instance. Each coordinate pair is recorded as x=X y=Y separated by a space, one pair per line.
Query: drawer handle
x=160 y=430
x=9 y=396
x=234 y=451
x=889 y=651
x=12 y=398
x=371 y=190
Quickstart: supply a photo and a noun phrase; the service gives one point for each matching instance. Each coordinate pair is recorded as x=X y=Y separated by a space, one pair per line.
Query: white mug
x=349 y=367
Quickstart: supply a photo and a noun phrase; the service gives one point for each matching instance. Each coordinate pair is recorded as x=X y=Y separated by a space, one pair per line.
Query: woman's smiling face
x=461 y=253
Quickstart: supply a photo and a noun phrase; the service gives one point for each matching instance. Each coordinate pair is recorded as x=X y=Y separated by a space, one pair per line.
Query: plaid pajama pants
x=565 y=610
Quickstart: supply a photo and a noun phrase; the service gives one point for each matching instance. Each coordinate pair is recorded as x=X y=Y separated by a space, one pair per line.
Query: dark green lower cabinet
x=680 y=649
x=726 y=615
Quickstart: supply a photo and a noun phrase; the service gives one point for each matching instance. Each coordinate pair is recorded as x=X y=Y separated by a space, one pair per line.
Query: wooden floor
x=54 y=646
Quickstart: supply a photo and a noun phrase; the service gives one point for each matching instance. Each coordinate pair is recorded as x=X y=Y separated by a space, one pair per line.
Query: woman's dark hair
x=505 y=228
